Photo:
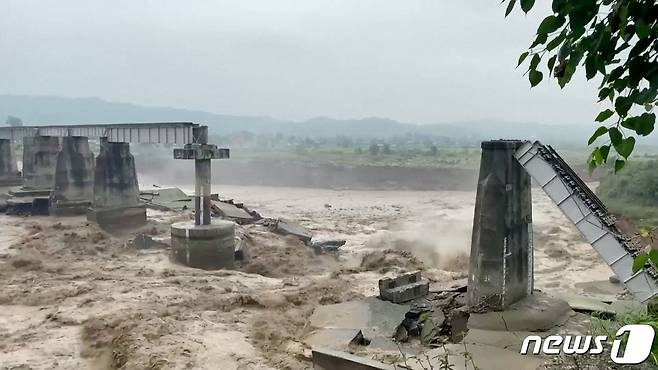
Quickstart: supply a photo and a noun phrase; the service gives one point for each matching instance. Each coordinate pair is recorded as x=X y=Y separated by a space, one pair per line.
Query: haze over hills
x=41 y=110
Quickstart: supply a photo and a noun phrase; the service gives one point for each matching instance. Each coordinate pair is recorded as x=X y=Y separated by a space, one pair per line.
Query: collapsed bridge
x=501 y=265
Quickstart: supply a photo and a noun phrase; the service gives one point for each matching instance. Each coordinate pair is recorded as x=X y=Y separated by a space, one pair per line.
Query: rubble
x=327 y=246
x=403 y=288
x=166 y=199
x=325 y=359
x=229 y=210
x=287 y=227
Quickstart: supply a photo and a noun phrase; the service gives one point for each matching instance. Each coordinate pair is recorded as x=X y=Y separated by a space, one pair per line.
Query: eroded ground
x=74 y=297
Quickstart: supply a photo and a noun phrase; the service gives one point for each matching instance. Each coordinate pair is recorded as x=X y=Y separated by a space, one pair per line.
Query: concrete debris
x=143 y=241
x=368 y=322
x=325 y=359
x=167 y=199
x=537 y=312
x=403 y=288
x=287 y=227
x=28 y=205
x=232 y=211
x=474 y=356
x=327 y=246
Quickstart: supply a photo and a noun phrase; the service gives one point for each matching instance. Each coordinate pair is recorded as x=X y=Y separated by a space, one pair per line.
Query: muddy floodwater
x=74 y=297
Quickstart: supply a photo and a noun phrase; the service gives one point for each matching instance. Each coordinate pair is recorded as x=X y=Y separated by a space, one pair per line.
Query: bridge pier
x=204 y=243
x=9 y=175
x=41 y=163
x=74 y=178
x=500 y=270
x=115 y=203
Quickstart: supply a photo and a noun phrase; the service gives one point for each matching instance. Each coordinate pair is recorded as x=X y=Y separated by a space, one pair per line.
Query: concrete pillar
x=116 y=202
x=41 y=163
x=8 y=168
x=28 y=158
x=74 y=177
x=500 y=270
x=204 y=243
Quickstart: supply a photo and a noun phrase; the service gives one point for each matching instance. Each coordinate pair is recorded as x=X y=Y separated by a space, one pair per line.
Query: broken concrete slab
x=28 y=205
x=287 y=227
x=166 y=199
x=459 y=285
x=325 y=359
x=384 y=317
x=474 y=356
x=582 y=303
x=403 y=288
x=511 y=340
x=232 y=212
x=338 y=324
x=537 y=312
x=327 y=246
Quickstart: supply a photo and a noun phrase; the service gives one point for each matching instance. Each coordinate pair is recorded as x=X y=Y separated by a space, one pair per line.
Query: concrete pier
x=500 y=270
x=28 y=158
x=204 y=243
x=41 y=163
x=74 y=178
x=9 y=174
x=115 y=203
x=209 y=247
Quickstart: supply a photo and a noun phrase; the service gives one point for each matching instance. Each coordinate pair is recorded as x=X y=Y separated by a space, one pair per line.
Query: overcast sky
x=424 y=61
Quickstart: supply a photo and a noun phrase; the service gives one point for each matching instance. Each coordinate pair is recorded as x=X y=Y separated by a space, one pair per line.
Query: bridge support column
x=500 y=270
x=204 y=243
x=74 y=178
x=41 y=162
x=9 y=175
x=115 y=203
x=28 y=158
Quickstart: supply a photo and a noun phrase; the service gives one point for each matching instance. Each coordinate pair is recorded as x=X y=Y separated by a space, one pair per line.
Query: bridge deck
x=146 y=133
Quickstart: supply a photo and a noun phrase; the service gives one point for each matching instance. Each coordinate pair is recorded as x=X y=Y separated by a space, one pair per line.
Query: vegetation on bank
x=633 y=192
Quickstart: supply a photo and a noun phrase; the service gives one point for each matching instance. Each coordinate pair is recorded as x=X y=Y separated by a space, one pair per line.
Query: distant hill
x=42 y=110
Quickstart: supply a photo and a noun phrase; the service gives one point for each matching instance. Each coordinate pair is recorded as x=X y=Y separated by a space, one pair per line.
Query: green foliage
x=609 y=327
x=633 y=192
x=616 y=40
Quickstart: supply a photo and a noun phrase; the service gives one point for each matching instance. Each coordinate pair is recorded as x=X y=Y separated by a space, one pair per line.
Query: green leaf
x=619 y=164
x=616 y=73
x=598 y=133
x=615 y=136
x=526 y=5
x=622 y=105
x=510 y=6
x=591 y=166
x=625 y=148
x=640 y=260
x=535 y=77
x=522 y=58
x=605 y=150
x=541 y=39
x=653 y=256
x=556 y=41
x=590 y=66
x=642 y=124
x=603 y=93
x=550 y=24
x=598 y=158
x=604 y=116
x=534 y=62
x=551 y=63
x=642 y=29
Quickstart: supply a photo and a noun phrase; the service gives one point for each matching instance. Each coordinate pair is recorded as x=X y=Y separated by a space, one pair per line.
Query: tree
x=13 y=121
x=616 y=39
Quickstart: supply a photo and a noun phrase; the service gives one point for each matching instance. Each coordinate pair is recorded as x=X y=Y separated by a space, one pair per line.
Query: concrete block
x=113 y=219
x=403 y=288
x=325 y=359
